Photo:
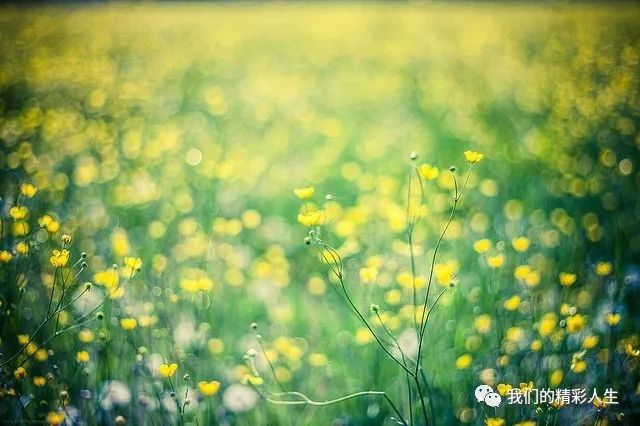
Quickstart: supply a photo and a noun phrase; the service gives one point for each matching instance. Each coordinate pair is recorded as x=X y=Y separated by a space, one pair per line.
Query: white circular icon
x=482 y=391
x=492 y=399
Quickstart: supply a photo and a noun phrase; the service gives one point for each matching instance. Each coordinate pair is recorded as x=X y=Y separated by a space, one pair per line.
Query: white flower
x=239 y=398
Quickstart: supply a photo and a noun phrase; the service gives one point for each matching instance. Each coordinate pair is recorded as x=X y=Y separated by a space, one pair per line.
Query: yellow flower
x=473 y=157
x=82 y=356
x=23 y=339
x=503 y=389
x=128 y=323
x=603 y=268
x=167 y=370
x=20 y=228
x=494 y=421
x=18 y=212
x=66 y=238
x=85 y=335
x=512 y=303
x=482 y=246
x=209 y=388
x=578 y=366
x=555 y=378
x=5 y=256
x=55 y=419
x=590 y=342
x=50 y=223
x=521 y=272
x=363 y=336
x=525 y=423
x=575 y=323
x=532 y=279
x=536 y=345
x=368 y=275
x=482 y=323
x=464 y=362
x=22 y=247
x=134 y=263
x=304 y=193
x=613 y=319
x=28 y=190
x=521 y=244
x=547 y=324
x=311 y=218
x=19 y=373
x=107 y=278
x=59 y=258
x=39 y=381
x=567 y=279
x=41 y=355
x=428 y=172
x=495 y=261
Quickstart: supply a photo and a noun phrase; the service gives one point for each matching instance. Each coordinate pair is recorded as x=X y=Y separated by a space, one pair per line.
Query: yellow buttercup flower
x=567 y=279
x=555 y=378
x=613 y=318
x=521 y=244
x=28 y=190
x=19 y=373
x=526 y=387
x=464 y=361
x=368 y=275
x=22 y=247
x=5 y=256
x=482 y=246
x=304 y=193
x=82 y=356
x=311 y=218
x=209 y=388
x=547 y=324
x=59 y=258
x=575 y=323
x=20 y=228
x=590 y=342
x=428 y=172
x=18 y=212
x=482 y=323
x=134 y=263
x=503 y=389
x=254 y=380
x=495 y=261
x=55 y=418
x=494 y=421
x=604 y=268
x=512 y=303
x=167 y=370
x=128 y=323
x=578 y=366
x=39 y=381
x=473 y=157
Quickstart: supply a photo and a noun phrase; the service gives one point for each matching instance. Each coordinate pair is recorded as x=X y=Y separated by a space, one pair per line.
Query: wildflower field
x=346 y=214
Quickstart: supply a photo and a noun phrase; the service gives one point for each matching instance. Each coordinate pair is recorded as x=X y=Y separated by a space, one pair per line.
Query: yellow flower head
x=578 y=366
x=5 y=256
x=494 y=421
x=603 y=268
x=613 y=318
x=59 y=258
x=55 y=418
x=503 y=389
x=39 y=381
x=254 y=380
x=464 y=362
x=590 y=342
x=209 y=388
x=473 y=157
x=575 y=323
x=128 y=323
x=567 y=279
x=526 y=387
x=167 y=370
x=134 y=263
x=304 y=193
x=28 y=190
x=512 y=303
x=482 y=246
x=521 y=244
x=18 y=212
x=19 y=373
x=495 y=261
x=428 y=172
x=311 y=218
x=82 y=356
